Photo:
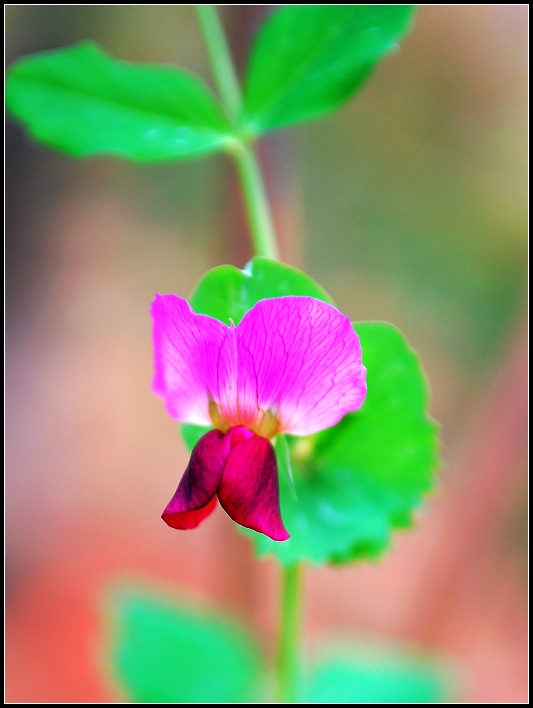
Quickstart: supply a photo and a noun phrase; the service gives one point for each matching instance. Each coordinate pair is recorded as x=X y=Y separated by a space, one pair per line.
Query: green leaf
x=376 y=675
x=192 y=433
x=357 y=481
x=227 y=293
x=162 y=652
x=309 y=59
x=84 y=102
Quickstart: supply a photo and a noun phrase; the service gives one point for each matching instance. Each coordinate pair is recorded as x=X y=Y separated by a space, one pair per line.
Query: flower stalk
x=289 y=634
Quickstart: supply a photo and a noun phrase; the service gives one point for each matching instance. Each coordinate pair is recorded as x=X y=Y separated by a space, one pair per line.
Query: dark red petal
x=249 y=490
x=188 y=519
x=195 y=496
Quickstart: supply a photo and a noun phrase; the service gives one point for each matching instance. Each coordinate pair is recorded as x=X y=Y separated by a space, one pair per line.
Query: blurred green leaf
x=163 y=653
x=84 y=102
x=309 y=59
x=227 y=293
x=376 y=676
x=358 y=480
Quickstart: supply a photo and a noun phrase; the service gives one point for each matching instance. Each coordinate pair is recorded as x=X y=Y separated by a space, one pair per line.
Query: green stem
x=289 y=633
x=264 y=241
x=219 y=54
x=255 y=198
x=257 y=206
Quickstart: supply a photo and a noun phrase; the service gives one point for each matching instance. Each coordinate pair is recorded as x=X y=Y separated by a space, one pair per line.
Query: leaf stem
x=255 y=198
x=289 y=634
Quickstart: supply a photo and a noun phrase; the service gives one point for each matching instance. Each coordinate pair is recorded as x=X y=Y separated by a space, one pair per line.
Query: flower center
x=267 y=424
x=264 y=423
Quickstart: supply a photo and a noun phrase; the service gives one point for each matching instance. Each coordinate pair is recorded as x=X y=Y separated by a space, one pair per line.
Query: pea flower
x=292 y=365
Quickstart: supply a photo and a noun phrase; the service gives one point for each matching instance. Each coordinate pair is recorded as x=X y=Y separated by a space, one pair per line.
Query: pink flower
x=292 y=365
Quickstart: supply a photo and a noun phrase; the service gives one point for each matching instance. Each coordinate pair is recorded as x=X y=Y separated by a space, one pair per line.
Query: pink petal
x=249 y=490
x=195 y=496
x=195 y=360
x=300 y=359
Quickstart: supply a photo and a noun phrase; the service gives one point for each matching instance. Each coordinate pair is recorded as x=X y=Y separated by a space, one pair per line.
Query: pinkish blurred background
x=409 y=205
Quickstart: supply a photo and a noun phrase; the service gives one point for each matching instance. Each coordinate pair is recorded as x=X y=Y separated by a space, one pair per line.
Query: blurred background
x=408 y=205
